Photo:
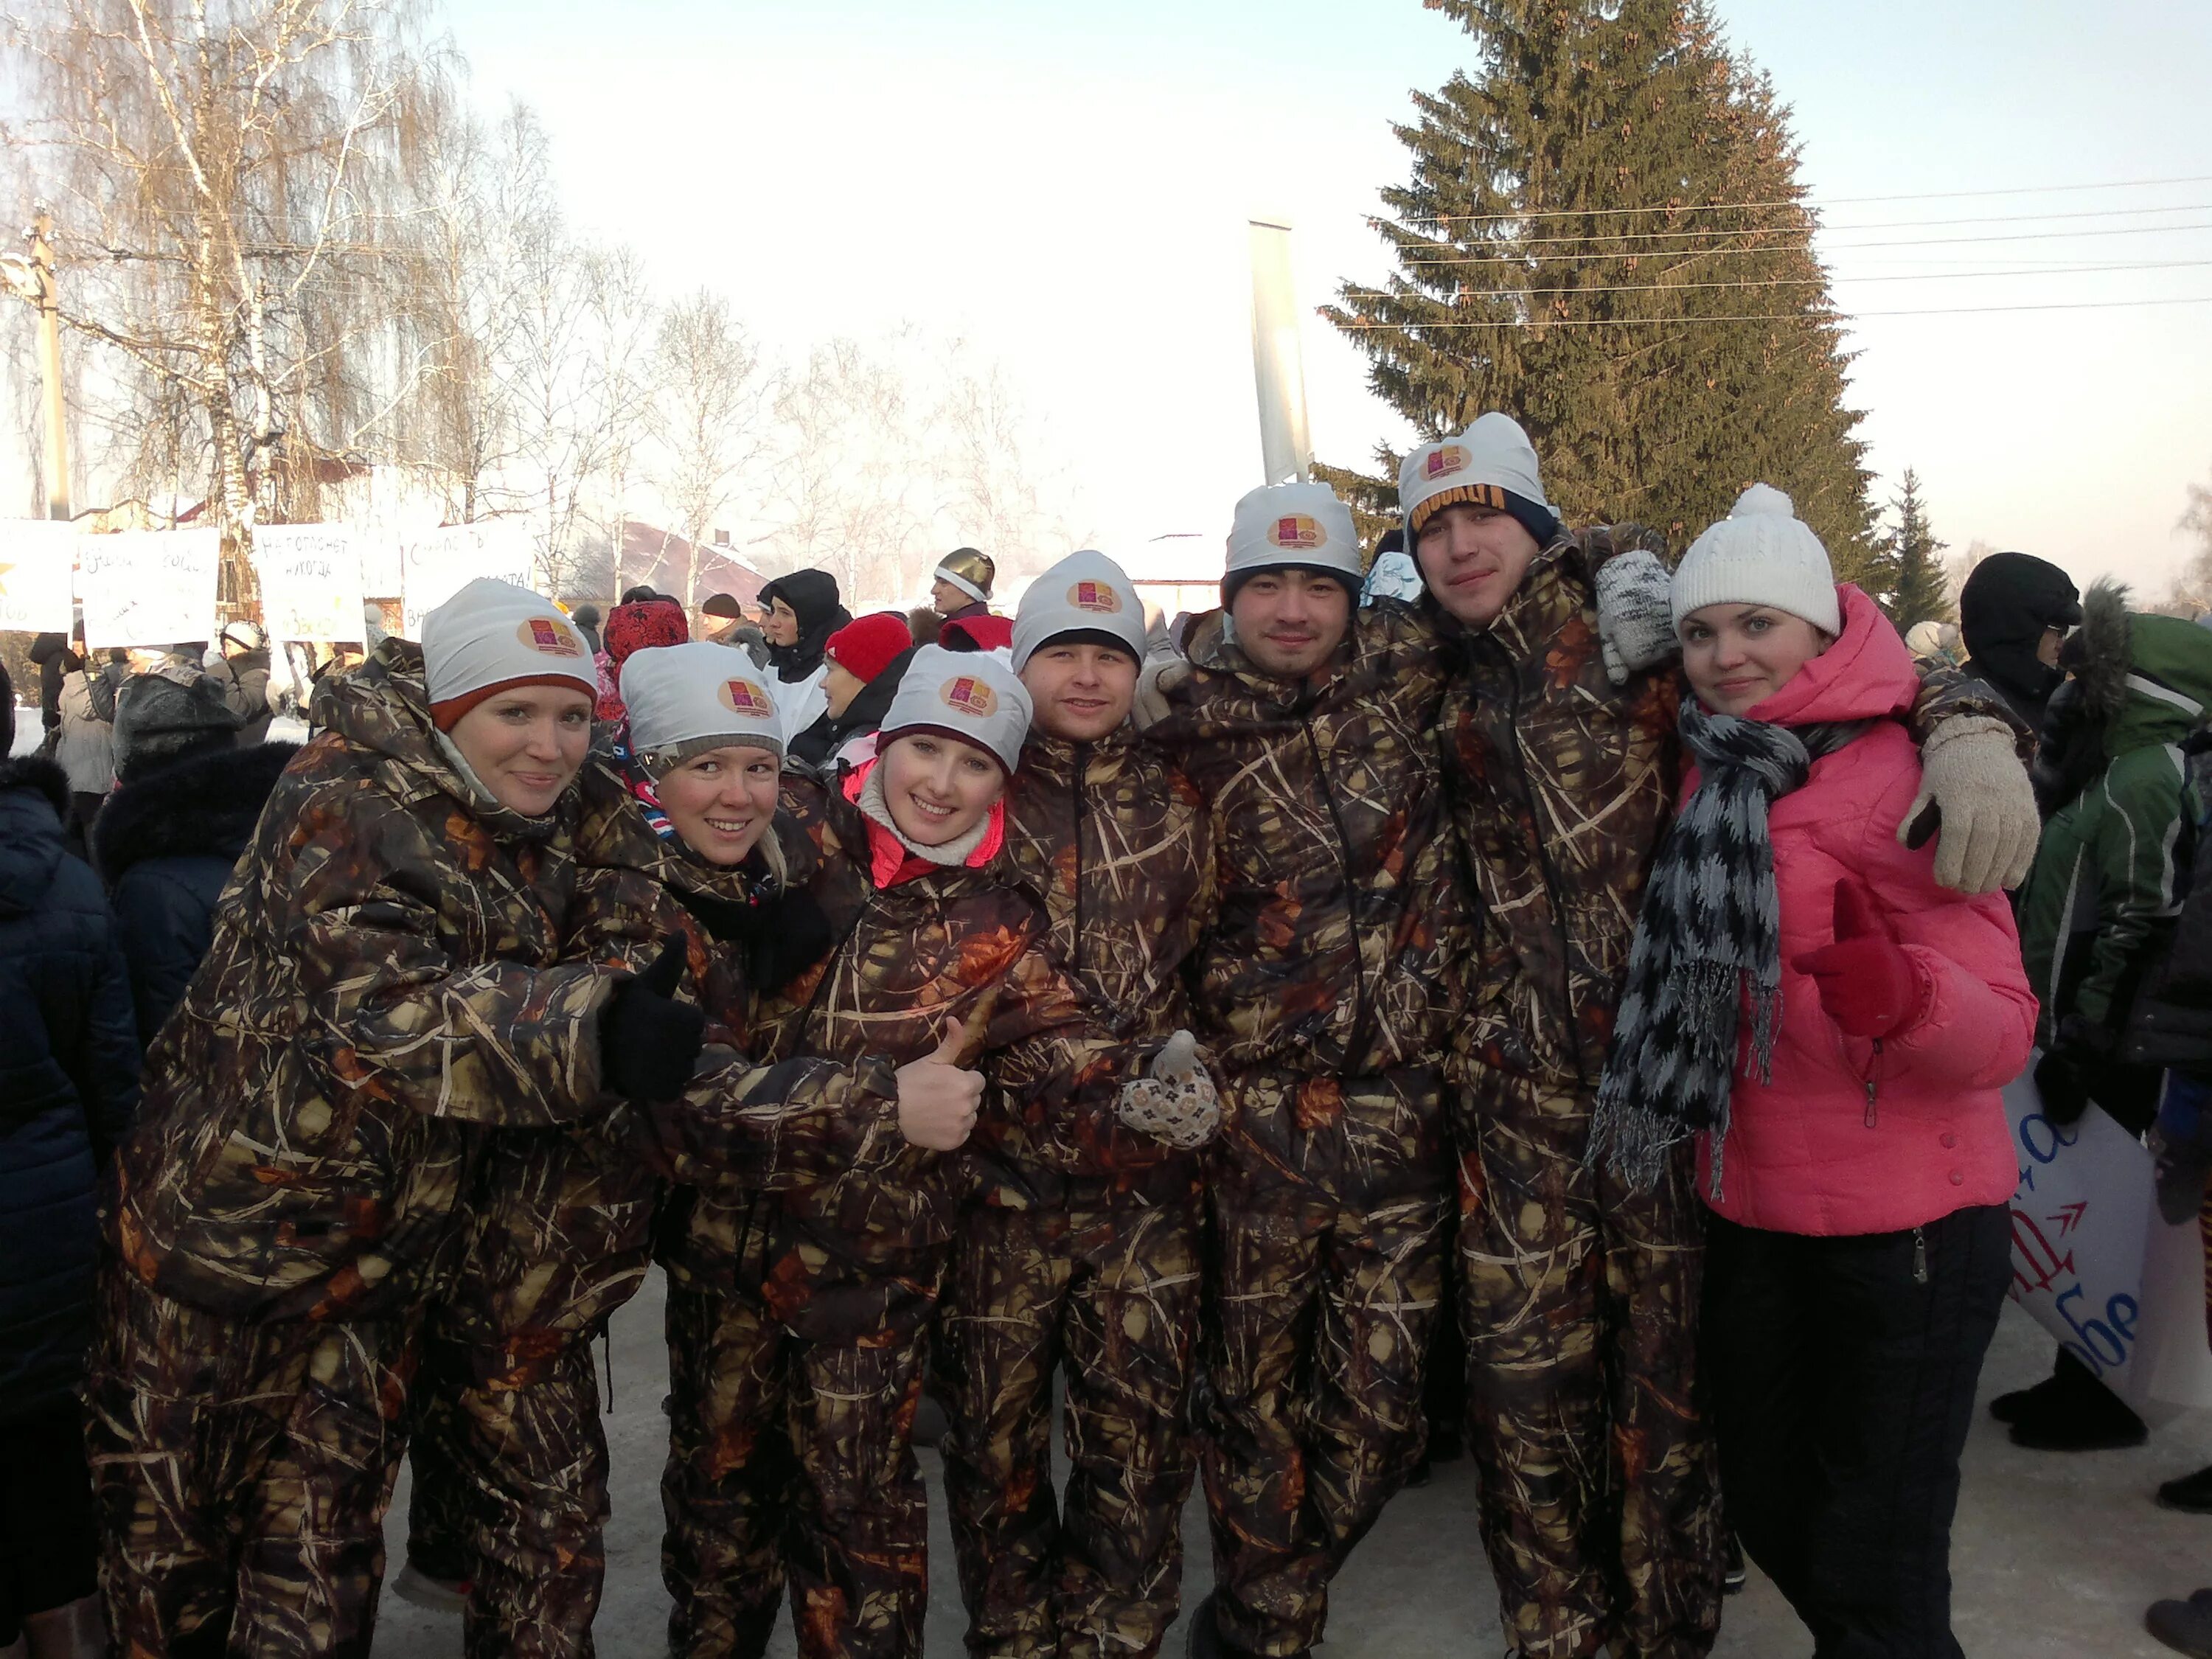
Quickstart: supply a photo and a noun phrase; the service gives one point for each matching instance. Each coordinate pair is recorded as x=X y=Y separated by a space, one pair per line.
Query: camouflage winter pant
x=1112 y=1288
x=1599 y=1506
x=510 y=1493
x=1321 y=1296
x=832 y=1353
x=242 y=1470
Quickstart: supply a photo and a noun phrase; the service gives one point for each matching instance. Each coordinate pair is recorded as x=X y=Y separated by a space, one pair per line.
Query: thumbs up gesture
x=649 y=1041
x=1869 y=985
x=938 y=1095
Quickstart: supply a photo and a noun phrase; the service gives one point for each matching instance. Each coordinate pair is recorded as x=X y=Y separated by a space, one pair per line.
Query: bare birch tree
x=223 y=178
x=712 y=397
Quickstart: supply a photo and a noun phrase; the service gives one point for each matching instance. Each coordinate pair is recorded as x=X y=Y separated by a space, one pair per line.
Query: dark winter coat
x=385 y=991
x=55 y=662
x=166 y=845
x=2009 y=601
x=244 y=682
x=1115 y=847
x=69 y=1086
x=812 y=596
x=816 y=748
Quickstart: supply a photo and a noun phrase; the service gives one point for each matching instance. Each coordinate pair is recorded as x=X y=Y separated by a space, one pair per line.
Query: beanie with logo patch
x=492 y=636
x=1491 y=463
x=685 y=700
x=1291 y=526
x=1085 y=597
x=967 y=695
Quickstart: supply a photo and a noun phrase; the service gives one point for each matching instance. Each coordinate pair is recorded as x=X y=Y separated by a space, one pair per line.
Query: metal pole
x=48 y=301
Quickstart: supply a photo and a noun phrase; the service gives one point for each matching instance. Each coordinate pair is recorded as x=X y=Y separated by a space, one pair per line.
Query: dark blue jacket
x=69 y=1086
x=165 y=843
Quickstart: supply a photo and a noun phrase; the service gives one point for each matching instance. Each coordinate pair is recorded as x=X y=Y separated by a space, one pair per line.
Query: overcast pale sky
x=1069 y=186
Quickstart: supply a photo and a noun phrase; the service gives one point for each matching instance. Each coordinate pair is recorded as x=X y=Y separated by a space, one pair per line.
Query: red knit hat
x=865 y=647
x=986 y=633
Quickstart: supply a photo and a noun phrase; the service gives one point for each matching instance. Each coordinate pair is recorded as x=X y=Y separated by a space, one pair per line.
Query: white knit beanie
x=1085 y=592
x=1491 y=463
x=684 y=699
x=1761 y=554
x=1291 y=526
x=968 y=695
x=492 y=636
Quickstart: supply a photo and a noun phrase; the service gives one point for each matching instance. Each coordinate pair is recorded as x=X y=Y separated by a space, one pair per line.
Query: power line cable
x=1830 y=317
x=1809 y=229
x=1802 y=201
x=1507 y=251
x=1794 y=281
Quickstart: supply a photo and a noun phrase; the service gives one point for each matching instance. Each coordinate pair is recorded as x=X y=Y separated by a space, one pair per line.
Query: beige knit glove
x=1175 y=1101
x=1162 y=672
x=1971 y=773
x=1635 y=615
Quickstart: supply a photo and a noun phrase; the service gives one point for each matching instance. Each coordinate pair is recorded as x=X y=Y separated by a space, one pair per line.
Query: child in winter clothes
x=1834 y=1027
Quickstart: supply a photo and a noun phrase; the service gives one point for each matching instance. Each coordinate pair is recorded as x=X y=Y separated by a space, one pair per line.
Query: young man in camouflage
x=1081 y=1242
x=1599 y=1506
x=1326 y=991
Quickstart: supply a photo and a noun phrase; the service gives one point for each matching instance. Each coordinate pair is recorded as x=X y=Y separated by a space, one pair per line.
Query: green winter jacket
x=2101 y=898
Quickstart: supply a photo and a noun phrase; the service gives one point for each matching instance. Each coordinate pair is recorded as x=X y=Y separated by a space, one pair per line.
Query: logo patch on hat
x=551 y=636
x=969 y=695
x=744 y=697
x=1095 y=596
x=1444 y=461
x=1297 y=530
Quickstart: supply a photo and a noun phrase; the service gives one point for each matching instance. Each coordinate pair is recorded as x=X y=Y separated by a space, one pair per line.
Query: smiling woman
x=512 y=687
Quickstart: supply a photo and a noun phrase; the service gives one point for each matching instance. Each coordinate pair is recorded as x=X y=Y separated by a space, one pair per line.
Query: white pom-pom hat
x=1761 y=554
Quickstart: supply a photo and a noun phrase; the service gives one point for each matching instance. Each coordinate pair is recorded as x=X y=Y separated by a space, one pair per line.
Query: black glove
x=2062 y=1079
x=649 y=1041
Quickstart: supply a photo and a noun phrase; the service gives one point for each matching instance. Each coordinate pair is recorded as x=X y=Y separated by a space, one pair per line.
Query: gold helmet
x=970 y=572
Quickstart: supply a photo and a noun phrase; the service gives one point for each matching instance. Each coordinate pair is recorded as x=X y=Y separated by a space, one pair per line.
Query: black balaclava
x=812 y=596
x=2007 y=604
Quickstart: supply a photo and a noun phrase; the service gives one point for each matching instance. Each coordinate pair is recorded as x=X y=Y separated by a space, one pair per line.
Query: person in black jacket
x=55 y=662
x=165 y=846
x=69 y=1089
x=2014 y=613
x=797 y=633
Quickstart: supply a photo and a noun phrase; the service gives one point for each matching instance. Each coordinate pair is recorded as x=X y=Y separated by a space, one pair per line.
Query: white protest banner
x=35 y=556
x=434 y=566
x=310 y=582
x=2098 y=1267
x=148 y=586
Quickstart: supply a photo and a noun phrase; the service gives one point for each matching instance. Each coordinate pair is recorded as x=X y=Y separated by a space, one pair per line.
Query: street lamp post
x=33 y=279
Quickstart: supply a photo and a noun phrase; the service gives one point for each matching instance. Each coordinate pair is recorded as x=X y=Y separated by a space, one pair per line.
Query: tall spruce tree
x=1604 y=236
x=1908 y=572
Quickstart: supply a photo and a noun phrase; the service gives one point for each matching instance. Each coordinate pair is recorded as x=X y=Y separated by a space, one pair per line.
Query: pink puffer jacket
x=1853 y=1136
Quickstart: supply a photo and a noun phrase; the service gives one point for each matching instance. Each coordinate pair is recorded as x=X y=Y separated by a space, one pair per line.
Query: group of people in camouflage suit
x=1187 y=1026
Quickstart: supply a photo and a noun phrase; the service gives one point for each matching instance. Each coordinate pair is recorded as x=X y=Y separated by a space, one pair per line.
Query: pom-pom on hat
x=684 y=699
x=1761 y=554
x=968 y=695
x=1086 y=595
x=1491 y=463
x=866 y=646
x=492 y=636
x=1291 y=526
x=971 y=571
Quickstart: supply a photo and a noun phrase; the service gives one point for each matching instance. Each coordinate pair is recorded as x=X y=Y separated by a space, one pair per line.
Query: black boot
x=1206 y=1641
x=2192 y=1493
x=2066 y=1373
x=2074 y=1411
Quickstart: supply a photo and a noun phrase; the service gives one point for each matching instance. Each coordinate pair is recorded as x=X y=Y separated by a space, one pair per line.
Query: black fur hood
x=206 y=806
x=37 y=772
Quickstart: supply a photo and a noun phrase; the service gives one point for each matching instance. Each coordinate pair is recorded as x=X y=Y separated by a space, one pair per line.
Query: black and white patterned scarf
x=1707 y=938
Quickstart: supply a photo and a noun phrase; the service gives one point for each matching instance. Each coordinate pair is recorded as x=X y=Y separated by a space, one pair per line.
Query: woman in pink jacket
x=1834 y=1028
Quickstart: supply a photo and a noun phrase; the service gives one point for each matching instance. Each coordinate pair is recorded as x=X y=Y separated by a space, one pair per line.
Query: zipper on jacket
x=1920 y=1256
x=1873 y=1070
x=1075 y=790
x=1355 y=1048
x=1551 y=888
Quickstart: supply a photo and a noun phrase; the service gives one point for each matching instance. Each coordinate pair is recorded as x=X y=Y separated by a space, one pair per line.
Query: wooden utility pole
x=47 y=298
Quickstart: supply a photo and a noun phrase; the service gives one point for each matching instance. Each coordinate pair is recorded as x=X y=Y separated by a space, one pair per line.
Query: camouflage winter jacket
x=562 y=1220
x=1113 y=845
x=907 y=957
x=1561 y=785
x=385 y=991
x=1341 y=928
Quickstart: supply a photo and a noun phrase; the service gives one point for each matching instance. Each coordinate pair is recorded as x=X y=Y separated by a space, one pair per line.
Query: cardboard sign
x=2098 y=1267
x=148 y=587
x=310 y=582
x=434 y=566
x=35 y=557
